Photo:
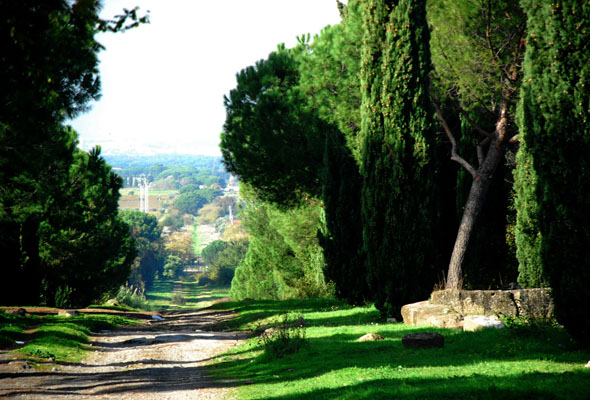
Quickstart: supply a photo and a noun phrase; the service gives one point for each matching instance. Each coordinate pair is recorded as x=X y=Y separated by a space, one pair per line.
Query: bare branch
x=309 y=200
x=471 y=122
x=454 y=156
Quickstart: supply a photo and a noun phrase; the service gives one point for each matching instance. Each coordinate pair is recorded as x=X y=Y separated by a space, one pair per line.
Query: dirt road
x=162 y=360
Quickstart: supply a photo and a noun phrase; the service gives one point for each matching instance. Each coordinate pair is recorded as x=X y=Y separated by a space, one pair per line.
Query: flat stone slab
x=426 y=313
x=423 y=340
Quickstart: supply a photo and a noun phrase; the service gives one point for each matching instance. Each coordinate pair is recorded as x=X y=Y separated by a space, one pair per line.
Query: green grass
x=63 y=339
x=160 y=295
x=535 y=362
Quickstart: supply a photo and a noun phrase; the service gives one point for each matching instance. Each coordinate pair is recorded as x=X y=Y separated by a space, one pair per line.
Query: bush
x=178 y=299
x=175 y=222
x=132 y=297
x=286 y=337
x=209 y=214
x=190 y=202
x=222 y=275
x=173 y=266
x=204 y=281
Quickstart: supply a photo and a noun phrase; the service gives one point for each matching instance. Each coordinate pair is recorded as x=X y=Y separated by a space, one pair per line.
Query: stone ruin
x=449 y=308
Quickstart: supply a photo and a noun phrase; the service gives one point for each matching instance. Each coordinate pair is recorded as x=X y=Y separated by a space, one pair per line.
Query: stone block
x=423 y=340
x=472 y=323
x=426 y=313
x=535 y=303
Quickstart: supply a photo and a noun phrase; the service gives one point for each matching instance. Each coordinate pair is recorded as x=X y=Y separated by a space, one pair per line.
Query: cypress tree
x=527 y=235
x=329 y=80
x=555 y=162
x=397 y=204
x=342 y=239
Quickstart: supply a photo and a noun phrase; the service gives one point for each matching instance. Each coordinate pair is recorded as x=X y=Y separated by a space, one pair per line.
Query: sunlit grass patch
x=537 y=363
x=160 y=296
x=54 y=338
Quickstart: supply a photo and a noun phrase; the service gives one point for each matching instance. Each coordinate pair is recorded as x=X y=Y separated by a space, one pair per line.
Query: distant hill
x=145 y=161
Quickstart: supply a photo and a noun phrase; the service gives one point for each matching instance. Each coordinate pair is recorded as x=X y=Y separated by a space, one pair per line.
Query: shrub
x=204 y=281
x=173 y=266
x=132 y=297
x=286 y=337
x=178 y=299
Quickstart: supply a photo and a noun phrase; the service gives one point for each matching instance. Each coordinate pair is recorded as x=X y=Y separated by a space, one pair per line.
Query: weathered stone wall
x=535 y=303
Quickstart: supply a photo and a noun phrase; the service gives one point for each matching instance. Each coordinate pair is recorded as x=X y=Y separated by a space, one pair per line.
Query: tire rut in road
x=162 y=360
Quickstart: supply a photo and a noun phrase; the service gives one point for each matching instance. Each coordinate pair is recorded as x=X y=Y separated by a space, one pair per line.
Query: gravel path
x=163 y=360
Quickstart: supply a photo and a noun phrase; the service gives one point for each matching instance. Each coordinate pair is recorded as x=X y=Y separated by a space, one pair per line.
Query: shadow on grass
x=157 y=296
x=158 y=380
x=487 y=364
x=248 y=312
x=521 y=386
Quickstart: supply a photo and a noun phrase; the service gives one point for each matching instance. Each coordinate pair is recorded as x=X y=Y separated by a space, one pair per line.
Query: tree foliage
x=173 y=266
x=84 y=247
x=145 y=231
x=554 y=170
x=330 y=69
x=284 y=259
x=271 y=140
x=190 y=202
x=211 y=252
x=223 y=257
x=180 y=244
x=329 y=79
x=477 y=52
x=61 y=238
x=397 y=169
x=341 y=238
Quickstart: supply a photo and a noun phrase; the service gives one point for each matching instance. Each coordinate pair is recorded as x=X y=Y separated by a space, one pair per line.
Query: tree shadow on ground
x=141 y=380
x=522 y=386
x=464 y=353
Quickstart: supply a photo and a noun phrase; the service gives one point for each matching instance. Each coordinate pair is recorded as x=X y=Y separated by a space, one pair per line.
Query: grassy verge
x=516 y=363
x=160 y=296
x=197 y=247
x=51 y=337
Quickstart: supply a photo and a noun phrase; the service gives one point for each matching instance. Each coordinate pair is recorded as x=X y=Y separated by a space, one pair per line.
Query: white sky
x=163 y=83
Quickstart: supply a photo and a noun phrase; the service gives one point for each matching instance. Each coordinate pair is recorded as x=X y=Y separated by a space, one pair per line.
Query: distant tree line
x=156 y=163
x=449 y=147
x=174 y=177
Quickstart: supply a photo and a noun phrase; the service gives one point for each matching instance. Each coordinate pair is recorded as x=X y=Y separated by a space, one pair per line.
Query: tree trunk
x=473 y=206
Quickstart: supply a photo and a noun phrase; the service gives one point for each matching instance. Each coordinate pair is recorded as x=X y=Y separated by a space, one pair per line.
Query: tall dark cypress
x=397 y=199
x=342 y=239
x=554 y=119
